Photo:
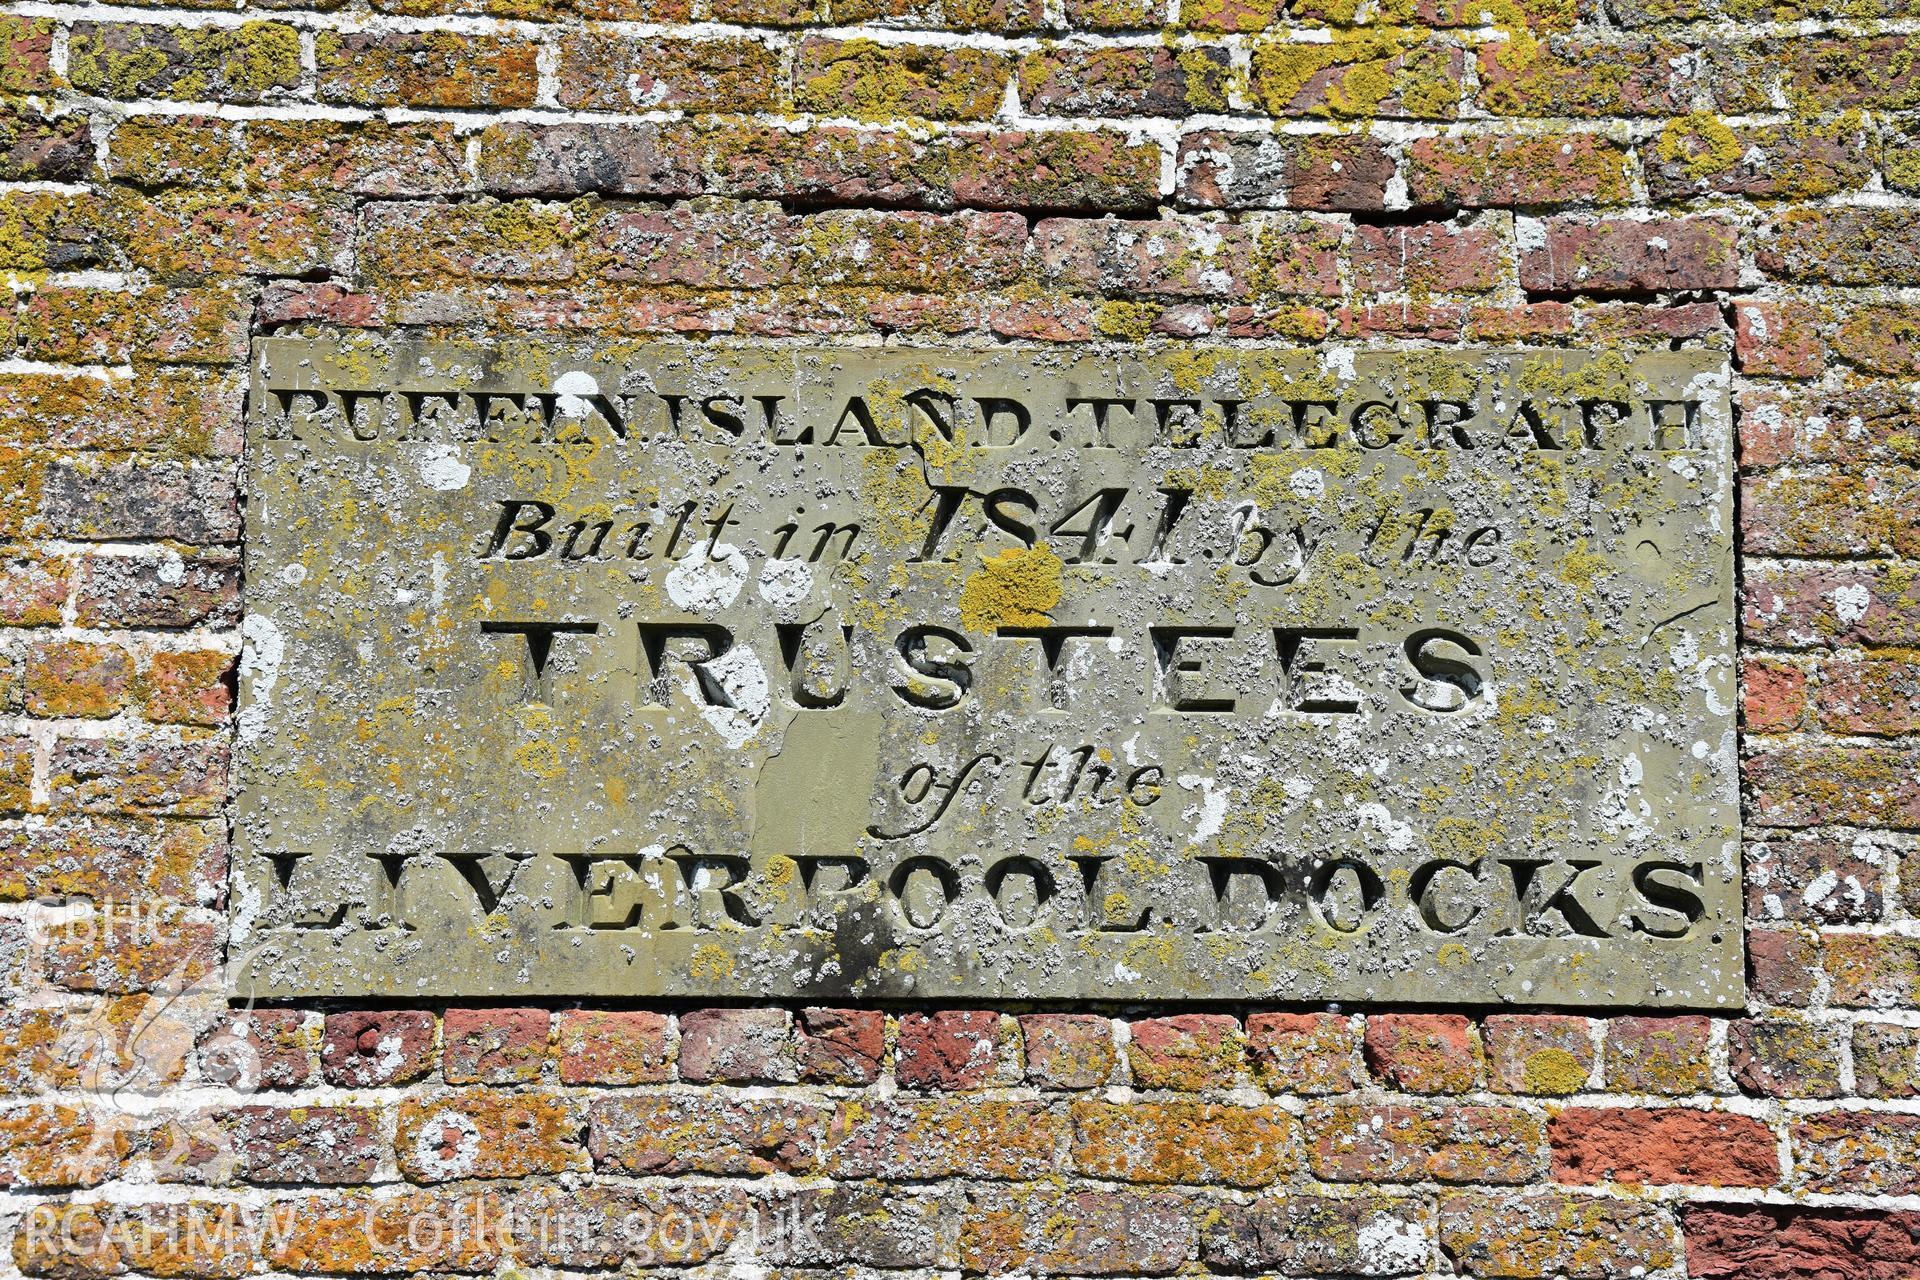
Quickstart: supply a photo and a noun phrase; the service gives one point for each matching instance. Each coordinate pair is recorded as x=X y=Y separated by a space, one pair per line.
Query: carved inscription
x=1231 y=674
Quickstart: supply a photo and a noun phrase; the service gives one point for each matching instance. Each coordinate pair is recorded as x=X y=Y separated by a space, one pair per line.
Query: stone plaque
x=1236 y=674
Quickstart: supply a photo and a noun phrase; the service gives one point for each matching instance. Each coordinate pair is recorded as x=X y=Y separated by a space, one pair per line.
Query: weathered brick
x=1073 y=80
x=1774 y=695
x=1785 y=1056
x=612 y=1048
x=40 y=148
x=53 y=231
x=607 y=1227
x=1880 y=339
x=1182 y=257
x=304 y=1144
x=191 y=150
x=1080 y=1233
x=249 y=63
x=175 y=588
x=1306 y=1053
x=1583 y=76
x=1700 y=154
x=361 y=1233
x=77 y=678
x=1815 y=75
x=33 y=587
x=194 y=233
x=1664 y=1145
x=1778 y=339
x=425 y=69
x=1799 y=784
x=1188 y=1051
x=872 y=81
x=1815 y=878
x=1217 y=169
x=1068 y=1050
x=1517 y=1237
x=1844 y=246
x=1005 y=17
x=952 y=1049
x=1857 y=1152
x=260 y=1049
x=1184 y=1142
x=1538 y=1053
x=1302 y=1235
x=1424 y=1052
x=1626 y=256
x=26 y=55
x=1783 y=966
x=187 y=778
x=705 y=1133
x=488 y=1133
x=609 y=70
x=113 y=860
x=1361 y=75
x=1871 y=971
x=1756 y=1242
x=119 y=949
x=912 y=1138
x=1864 y=422
x=1501 y=171
x=843 y=1224
x=103 y=497
x=50 y=1145
x=1356 y=1142
x=1431 y=258
x=1803 y=605
x=368 y=1049
x=1829 y=513
x=739 y=1046
x=1886 y=1060
x=363 y=158
x=493 y=1046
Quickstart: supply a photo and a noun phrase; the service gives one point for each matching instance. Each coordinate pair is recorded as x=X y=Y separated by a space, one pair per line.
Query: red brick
x=1583 y=76
x=1783 y=966
x=1825 y=513
x=1757 y=1242
x=1499 y=171
x=871 y=81
x=367 y=1049
x=175 y=588
x=606 y=70
x=73 y=678
x=918 y=1139
x=1846 y=246
x=1068 y=1050
x=488 y=1133
x=1538 y=1053
x=679 y=1133
x=1300 y=1235
x=955 y=1049
x=1188 y=1051
x=1434 y=258
x=26 y=55
x=1183 y=1142
x=186 y=779
x=1870 y=693
x=118 y=949
x=175 y=411
x=1073 y=80
x=1871 y=971
x=1815 y=879
x=260 y=1049
x=112 y=859
x=1217 y=169
x=1778 y=339
x=16 y=774
x=1076 y=1232
x=364 y=158
x=424 y=69
x=188 y=687
x=47 y=1145
x=100 y=498
x=39 y=148
x=1699 y=155
x=1664 y=1055
x=1356 y=1142
x=1666 y=1145
x=1550 y=1233
x=1806 y=784
x=841 y=1046
x=33 y=588
x=1857 y=1153
x=1880 y=339
x=494 y=1046
x=254 y=62
x=1774 y=696
x=606 y=1047
x=1368 y=75
x=1886 y=1060
x=736 y=1046
x=1182 y=257
x=1803 y=605
x=1005 y=17
x=1630 y=255
x=1859 y=422
x=1785 y=1056
x=181 y=234
x=1424 y=1052
x=304 y=1144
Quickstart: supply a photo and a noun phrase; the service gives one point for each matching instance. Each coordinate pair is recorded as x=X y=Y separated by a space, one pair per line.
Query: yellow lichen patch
x=1016 y=588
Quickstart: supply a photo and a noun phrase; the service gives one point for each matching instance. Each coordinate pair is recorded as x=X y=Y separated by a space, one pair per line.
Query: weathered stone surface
x=667 y=671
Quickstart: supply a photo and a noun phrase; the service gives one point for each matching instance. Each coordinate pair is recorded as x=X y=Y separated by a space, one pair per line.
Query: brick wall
x=176 y=179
